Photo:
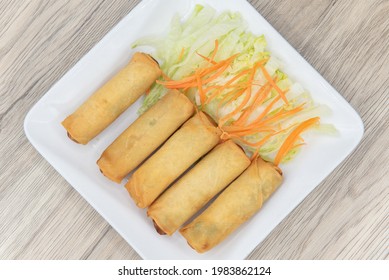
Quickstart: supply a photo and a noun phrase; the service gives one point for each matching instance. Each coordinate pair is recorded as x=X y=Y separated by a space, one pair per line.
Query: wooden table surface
x=345 y=217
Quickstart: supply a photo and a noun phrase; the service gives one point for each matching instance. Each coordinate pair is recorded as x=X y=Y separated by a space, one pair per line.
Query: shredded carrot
x=200 y=88
x=227 y=84
x=212 y=58
x=257 y=83
x=166 y=77
x=251 y=144
x=291 y=139
x=237 y=109
x=282 y=114
x=224 y=63
x=261 y=95
x=244 y=101
x=228 y=96
x=206 y=58
x=247 y=131
x=253 y=93
x=215 y=50
x=250 y=131
x=263 y=140
x=217 y=73
x=271 y=81
x=181 y=54
x=191 y=81
x=267 y=109
x=255 y=155
x=255 y=125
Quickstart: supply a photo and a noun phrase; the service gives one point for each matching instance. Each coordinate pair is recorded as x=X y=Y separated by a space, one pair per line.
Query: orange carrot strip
x=278 y=116
x=200 y=89
x=224 y=119
x=267 y=137
x=283 y=114
x=271 y=81
x=190 y=81
x=217 y=74
x=245 y=132
x=293 y=136
x=212 y=58
x=227 y=85
x=257 y=121
x=231 y=97
x=215 y=50
x=266 y=110
x=257 y=83
x=261 y=94
x=181 y=54
x=220 y=64
x=244 y=101
x=206 y=58
x=255 y=155
x=166 y=77
x=258 y=127
x=255 y=144
x=224 y=64
x=261 y=62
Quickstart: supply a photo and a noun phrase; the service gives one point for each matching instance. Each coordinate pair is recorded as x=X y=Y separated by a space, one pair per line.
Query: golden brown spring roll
x=145 y=135
x=235 y=205
x=191 y=192
x=193 y=140
x=112 y=99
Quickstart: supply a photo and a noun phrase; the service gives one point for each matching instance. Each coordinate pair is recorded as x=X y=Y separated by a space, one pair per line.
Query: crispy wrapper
x=145 y=135
x=193 y=140
x=235 y=205
x=197 y=187
x=112 y=99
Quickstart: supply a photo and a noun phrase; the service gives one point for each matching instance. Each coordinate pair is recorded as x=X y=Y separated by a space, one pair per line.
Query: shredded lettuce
x=197 y=34
x=182 y=50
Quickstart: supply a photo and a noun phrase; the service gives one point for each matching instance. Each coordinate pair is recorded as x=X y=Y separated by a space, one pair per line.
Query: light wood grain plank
x=346 y=217
x=112 y=247
x=52 y=220
x=304 y=234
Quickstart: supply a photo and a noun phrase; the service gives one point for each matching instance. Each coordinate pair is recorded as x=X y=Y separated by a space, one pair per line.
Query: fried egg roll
x=145 y=135
x=193 y=140
x=112 y=99
x=235 y=205
x=197 y=187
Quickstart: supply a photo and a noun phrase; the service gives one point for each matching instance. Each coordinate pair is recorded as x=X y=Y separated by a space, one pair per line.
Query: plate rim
x=141 y=5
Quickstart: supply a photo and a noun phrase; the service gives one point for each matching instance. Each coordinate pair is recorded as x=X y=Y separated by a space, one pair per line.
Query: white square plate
x=77 y=163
